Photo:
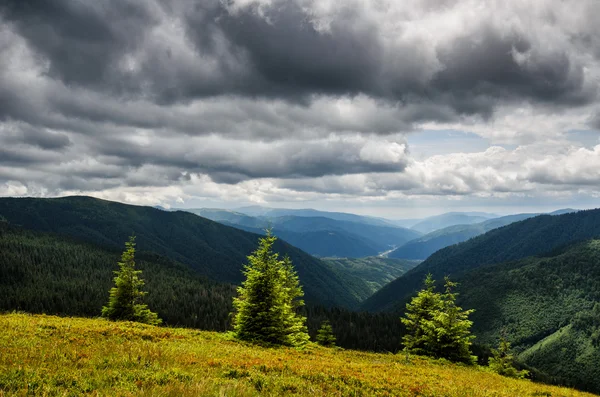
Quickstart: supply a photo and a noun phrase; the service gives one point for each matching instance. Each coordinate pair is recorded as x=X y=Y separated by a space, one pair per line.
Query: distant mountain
x=312 y=213
x=563 y=211
x=209 y=248
x=531 y=236
x=437 y=222
x=232 y=218
x=422 y=247
x=319 y=235
x=408 y=223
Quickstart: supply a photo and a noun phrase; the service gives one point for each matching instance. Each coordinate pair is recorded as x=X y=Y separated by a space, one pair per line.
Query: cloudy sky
x=381 y=107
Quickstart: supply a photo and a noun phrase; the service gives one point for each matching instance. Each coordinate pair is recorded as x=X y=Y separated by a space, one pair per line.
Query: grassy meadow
x=53 y=356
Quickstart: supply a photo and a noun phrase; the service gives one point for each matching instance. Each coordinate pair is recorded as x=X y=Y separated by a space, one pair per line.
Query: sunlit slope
x=59 y=356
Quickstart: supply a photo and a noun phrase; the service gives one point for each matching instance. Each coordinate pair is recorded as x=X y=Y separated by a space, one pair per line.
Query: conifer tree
x=502 y=361
x=420 y=311
x=436 y=326
x=125 y=300
x=325 y=336
x=265 y=308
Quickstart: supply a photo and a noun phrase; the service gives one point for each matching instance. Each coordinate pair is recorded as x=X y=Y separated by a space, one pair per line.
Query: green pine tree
x=265 y=308
x=436 y=326
x=125 y=301
x=325 y=336
x=419 y=312
x=502 y=361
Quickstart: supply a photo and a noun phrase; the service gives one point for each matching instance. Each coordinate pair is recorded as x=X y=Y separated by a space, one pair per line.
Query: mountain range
x=319 y=233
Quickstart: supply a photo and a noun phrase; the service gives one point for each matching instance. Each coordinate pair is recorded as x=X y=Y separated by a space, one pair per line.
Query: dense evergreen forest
x=209 y=248
x=46 y=273
x=547 y=306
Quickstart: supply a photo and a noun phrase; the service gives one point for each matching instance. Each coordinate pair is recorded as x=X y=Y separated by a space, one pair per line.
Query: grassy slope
x=208 y=247
x=63 y=356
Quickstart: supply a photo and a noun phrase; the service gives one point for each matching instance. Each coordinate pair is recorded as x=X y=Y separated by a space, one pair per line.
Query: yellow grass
x=46 y=355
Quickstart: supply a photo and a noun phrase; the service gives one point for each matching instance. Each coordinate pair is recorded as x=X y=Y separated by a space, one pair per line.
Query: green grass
x=48 y=356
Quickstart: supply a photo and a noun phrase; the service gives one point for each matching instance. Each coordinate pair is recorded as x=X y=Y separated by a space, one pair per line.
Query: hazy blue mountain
x=230 y=217
x=319 y=236
x=563 y=211
x=422 y=247
x=437 y=222
x=312 y=213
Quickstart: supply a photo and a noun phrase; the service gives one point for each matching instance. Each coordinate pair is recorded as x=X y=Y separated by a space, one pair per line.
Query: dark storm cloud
x=42 y=138
x=97 y=95
x=83 y=41
x=279 y=53
x=235 y=161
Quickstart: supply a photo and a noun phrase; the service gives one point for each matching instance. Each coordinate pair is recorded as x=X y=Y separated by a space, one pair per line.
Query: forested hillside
x=550 y=296
x=46 y=273
x=375 y=271
x=422 y=247
x=515 y=241
x=207 y=247
x=43 y=273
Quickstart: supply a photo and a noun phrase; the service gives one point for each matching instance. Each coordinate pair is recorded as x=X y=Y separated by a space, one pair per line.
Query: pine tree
x=265 y=308
x=125 y=301
x=436 y=326
x=502 y=361
x=325 y=336
x=453 y=328
x=419 y=312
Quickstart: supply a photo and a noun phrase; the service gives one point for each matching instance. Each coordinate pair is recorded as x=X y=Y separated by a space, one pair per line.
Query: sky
x=387 y=108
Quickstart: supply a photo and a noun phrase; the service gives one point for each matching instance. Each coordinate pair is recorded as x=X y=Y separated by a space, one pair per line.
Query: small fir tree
x=265 y=308
x=502 y=361
x=436 y=326
x=125 y=300
x=325 y=336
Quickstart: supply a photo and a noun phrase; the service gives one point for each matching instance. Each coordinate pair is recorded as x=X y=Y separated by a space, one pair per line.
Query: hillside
x=375 y=271
x=55 y=356
x=422 y=247
x=209 y=248
x=437 y=222
x=43 y=273
x=53 y=274
x=551 y=296
x=532 y=236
